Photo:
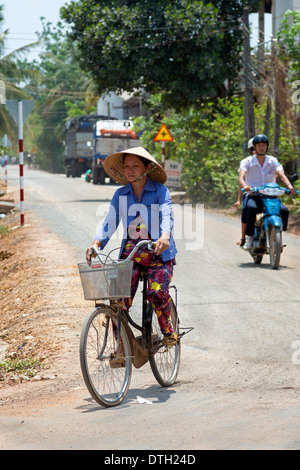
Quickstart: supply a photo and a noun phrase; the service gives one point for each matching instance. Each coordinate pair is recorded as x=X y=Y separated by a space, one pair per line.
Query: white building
x=111 y=105
x=122 y=106
x=278 y=9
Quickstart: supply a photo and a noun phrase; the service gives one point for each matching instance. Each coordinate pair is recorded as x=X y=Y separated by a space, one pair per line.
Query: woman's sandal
x=170 y=340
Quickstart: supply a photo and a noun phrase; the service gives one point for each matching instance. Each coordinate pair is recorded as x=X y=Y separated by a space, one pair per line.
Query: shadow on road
x=262 y=266
x=154 y=394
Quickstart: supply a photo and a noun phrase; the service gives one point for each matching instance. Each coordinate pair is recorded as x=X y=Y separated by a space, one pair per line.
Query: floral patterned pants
x=159 y=274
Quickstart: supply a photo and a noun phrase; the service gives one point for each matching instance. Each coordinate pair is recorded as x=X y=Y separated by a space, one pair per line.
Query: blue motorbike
x=267 y=238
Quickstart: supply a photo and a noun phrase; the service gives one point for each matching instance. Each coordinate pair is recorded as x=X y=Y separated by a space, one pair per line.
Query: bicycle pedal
x=117 y=362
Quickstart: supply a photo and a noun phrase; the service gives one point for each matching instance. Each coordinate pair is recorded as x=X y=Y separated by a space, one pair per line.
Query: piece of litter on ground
x=143 y=400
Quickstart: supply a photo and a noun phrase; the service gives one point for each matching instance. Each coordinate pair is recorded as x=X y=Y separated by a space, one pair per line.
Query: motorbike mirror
x=293 y=178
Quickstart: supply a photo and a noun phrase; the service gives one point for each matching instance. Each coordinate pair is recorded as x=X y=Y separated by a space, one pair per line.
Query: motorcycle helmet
x=261 y=138
x=250 y=145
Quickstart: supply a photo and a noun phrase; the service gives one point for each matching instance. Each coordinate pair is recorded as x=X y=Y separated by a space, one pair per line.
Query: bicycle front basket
x=106 y=281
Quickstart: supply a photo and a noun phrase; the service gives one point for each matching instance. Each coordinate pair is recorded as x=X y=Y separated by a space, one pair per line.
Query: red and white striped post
x=5 y=173
x=21 y=161
x=163 y=154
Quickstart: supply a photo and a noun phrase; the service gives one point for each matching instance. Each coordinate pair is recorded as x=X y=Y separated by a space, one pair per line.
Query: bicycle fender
x=274 y=220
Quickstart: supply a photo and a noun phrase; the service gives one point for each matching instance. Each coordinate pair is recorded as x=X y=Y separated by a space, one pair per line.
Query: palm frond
x=18 y=52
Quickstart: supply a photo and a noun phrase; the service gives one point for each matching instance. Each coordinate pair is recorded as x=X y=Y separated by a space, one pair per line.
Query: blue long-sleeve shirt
x=155 y=208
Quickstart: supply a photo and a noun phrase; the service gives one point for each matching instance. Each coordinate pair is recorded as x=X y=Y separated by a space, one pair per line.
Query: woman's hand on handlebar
x=162 y=244
x=90 y=253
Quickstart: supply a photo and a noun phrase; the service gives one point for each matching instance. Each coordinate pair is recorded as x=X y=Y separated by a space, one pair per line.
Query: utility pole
x=249 y=120
x=260 y=92
x=261 y=36
x=277 y=80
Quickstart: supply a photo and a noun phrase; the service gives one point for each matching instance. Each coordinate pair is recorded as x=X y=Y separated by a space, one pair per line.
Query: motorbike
x=267 y=238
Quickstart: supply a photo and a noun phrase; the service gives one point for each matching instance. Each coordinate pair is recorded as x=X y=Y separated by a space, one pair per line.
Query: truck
x=79 y=133
x=110 y=136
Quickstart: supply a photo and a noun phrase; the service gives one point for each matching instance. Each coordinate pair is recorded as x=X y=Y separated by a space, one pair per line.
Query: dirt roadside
x=42 y=310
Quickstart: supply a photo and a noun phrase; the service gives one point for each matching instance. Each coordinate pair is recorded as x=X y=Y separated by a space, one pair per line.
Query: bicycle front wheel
x=106 y=375
x=166 y=360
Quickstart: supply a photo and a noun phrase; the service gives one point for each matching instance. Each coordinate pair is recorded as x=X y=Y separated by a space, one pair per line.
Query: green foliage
x=12 y=76
x=180 y=51
x=287 y=137
x=26 y=367
x=77 y=109
x=62 y=90
x=183 y=49
x=4 y=230
x=210 y=144
x=288 y=42
x=212 y=151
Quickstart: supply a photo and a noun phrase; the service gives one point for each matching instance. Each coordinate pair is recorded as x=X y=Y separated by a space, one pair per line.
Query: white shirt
x=257 y=175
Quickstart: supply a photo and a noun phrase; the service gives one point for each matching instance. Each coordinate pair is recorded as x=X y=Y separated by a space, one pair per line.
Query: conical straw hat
x=114 y=165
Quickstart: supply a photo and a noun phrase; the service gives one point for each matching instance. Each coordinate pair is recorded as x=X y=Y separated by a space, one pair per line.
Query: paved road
x=239 y=381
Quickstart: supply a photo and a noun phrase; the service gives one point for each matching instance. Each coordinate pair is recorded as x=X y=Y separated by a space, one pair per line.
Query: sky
x=22 y=18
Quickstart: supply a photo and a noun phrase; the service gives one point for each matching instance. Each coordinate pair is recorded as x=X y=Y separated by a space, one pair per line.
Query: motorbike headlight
x=272 y=192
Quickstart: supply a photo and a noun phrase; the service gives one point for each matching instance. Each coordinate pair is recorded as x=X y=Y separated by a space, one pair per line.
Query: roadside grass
x=4 y=230
x=20 y=368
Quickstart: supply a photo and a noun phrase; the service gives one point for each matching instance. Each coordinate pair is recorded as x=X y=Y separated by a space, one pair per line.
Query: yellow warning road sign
x=163 y=135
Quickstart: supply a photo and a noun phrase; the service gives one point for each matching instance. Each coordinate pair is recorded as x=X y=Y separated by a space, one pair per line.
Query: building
x=278 y=9
x=124 y=106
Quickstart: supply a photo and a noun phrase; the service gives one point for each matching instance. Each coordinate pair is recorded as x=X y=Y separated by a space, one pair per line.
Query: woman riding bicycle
x=144 y=205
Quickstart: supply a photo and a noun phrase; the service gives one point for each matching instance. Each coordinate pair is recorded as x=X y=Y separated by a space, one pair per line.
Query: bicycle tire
x=165 y=361
x=275 y=247
x=107 y=384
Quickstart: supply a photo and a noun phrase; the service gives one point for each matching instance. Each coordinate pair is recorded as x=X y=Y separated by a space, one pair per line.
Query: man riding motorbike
x=258 y=170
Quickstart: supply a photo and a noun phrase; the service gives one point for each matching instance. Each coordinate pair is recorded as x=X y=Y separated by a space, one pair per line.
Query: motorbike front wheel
x=275 y=246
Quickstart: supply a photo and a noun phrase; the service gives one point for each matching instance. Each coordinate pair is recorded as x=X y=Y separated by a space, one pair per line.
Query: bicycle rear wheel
x=106 y=379
x=166 y=360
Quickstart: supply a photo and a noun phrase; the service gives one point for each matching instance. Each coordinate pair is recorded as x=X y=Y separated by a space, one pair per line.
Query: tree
x=184 y=49
x=287 y=75
x=249 y=121
x=61 y=90
x=288 y=43
x=209 y=143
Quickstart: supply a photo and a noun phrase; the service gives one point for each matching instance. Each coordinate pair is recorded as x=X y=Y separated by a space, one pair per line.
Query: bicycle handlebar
x=150 y=244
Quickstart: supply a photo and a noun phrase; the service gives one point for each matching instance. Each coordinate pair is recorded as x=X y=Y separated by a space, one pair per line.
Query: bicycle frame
x=109 y=346
x=141 y=346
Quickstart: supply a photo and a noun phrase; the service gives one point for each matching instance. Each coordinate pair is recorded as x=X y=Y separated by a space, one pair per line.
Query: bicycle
x=107 y=329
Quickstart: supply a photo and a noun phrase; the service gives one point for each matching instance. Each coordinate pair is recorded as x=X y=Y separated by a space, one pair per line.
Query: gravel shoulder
x=42 y=309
